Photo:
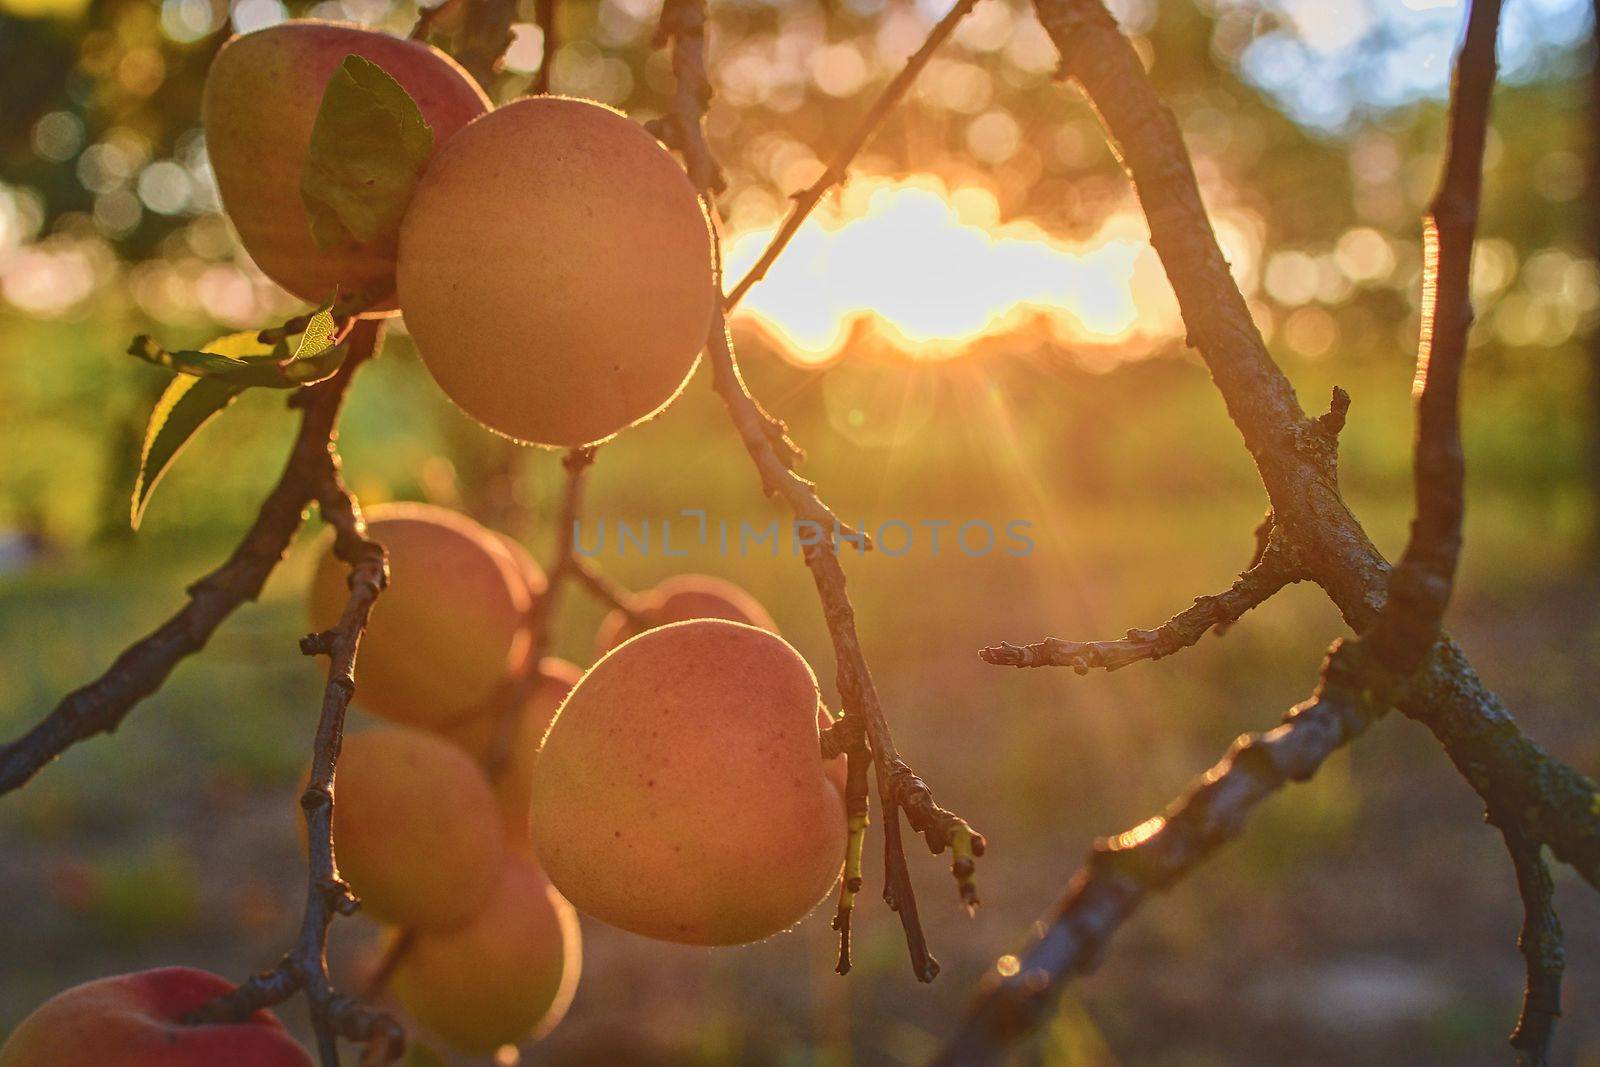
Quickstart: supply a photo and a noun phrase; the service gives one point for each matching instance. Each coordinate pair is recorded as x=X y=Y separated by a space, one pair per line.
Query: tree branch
x=485 y=36
x=1296 y=455
x=839 y=166
x=1274 y=569
x=1540 y=943
x=305 y=968
x=544 y=12
x=1123 y=870
x=898 y=788
x=143 y=667
x=776 y=457
x=1361 y=678
x=683 y=23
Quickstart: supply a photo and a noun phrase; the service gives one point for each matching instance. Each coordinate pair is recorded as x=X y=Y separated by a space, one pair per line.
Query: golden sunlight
x=928 y=271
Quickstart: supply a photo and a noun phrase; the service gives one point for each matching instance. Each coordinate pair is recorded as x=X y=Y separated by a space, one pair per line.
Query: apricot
x=679 y=599
x=415 y=829
x=135 y=1020
x=260 y=104
x=513 y=781
x=450 y=629
x=507 y=974
x=555 y=272
x=680 y=792
x=527 y=568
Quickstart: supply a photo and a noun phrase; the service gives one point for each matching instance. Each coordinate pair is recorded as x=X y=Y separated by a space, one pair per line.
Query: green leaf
x=187 y=405
x=210 y=379
x=227 y=354
x=368 y=148
x=242 y=359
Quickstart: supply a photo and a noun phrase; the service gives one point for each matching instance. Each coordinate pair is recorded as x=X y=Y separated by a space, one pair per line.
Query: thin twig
x=839 y=166
x=1270 y=573
x=304 y=968
x=1420 y=587
x=776 y=457
x=898 y=788
x=544 y=13
x=683 y=23
x=517 y=692
x=485 y=36
x=143 y=667
x=608 y=591
x=1540 y=943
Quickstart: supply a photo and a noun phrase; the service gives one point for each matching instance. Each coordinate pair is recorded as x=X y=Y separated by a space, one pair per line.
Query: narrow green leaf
x=368 y=148
x=228 y=353
x=243 y=360
x=187 y=405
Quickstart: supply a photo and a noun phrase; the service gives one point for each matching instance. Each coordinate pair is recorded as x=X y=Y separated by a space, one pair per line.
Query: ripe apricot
x=679 y=599
x=555 y=272
x=513 y=780
x=527 y=568
x=450 y=629
x=135 y=1020
x=415 y=829
x=507 y=974
x=680 y=792
x=260 y=104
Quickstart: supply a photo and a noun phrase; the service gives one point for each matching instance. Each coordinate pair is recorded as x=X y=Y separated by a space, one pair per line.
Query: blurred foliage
x=109 y=222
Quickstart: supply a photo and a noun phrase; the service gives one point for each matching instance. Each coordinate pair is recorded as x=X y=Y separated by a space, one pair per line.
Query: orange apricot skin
x=681 y=598
x=259 y=106
x=508 y=973
x=680 y=793
x=450 y=629
x=513 y=780
x=555 y=272
x=134 y=1020
x=415 y=828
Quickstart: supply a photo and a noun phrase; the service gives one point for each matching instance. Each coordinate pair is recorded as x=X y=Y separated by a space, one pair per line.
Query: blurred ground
x=1368 y=917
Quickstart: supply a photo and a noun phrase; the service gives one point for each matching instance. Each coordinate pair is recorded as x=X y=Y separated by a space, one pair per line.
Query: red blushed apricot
x=679 y=599
x=415 y=828
x=135 y=1020
x=260 y=104
x=450 y=629
x=507 y=974
x=555 y=272
x=680 y=792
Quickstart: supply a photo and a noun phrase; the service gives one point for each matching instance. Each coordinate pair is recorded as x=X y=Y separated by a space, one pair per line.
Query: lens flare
x=930 y=271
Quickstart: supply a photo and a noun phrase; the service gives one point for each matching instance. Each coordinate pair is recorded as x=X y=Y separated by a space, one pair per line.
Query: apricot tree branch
x=1122 y=871
x=1540 y=944
x=1275 y=569
x=485 y=36
x=140 y=670
x=776 y=457
x=544 y=13
x=305 y=968
x=899 y=789
x=606 y=590
x=1361 y=678
x=1296 y=455
x=839 y=165
x=683 y=23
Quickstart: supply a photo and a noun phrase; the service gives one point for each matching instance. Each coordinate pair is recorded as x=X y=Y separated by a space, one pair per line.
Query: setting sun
x=930 y=270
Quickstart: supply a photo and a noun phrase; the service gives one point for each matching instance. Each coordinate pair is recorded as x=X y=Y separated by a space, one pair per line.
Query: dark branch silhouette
x=143 y=667
x=305 y=968
x=1363 y=676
